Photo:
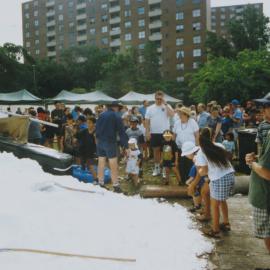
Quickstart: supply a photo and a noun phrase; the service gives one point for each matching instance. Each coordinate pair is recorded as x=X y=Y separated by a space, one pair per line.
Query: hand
x=251 y=157
x=191 y=189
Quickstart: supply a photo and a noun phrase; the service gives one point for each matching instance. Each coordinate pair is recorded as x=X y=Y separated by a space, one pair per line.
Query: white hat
x=189 y=148
x=132 y=141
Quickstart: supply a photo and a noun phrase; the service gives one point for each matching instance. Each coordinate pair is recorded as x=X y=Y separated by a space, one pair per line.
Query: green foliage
x=79 y=90
x=222 y=79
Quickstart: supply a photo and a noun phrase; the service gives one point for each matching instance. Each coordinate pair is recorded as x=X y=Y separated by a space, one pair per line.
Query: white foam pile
x=36 y=213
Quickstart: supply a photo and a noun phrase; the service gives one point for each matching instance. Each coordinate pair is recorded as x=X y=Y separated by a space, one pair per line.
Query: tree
x=250 y=32
x=222 y=79
x=218 y=46
x=150 y=65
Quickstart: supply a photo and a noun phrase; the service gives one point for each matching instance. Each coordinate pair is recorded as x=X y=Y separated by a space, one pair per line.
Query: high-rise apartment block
x=220 y=16
x=178 y=27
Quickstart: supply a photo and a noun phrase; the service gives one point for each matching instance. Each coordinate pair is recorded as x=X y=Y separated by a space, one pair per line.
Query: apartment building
x=220 y=16
x=178 y=27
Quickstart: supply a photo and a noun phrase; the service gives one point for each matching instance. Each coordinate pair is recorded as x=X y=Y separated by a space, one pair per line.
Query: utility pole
x=34 y=79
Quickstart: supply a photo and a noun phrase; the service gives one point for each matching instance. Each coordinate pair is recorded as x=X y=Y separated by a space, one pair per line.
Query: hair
x=40 y=110
x=57 y=102
x=88 y=111
x=214 y=108
x=167 y=131
x=69 y=116
x=92 y=119
x=214 y=153
x=32 y=113
x=159 y=93
x=202 y=105
x=179 y=105
x=230 y=136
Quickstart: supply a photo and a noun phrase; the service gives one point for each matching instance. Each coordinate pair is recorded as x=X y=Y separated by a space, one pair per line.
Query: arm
x=122 y=133
x=197 y=137
x=260 y=170
x=218 y=128
x=170 y=111
x=203 y=171
x=147 y=128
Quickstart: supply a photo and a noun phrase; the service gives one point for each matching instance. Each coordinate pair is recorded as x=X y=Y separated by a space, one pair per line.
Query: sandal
x=194 y=208
x=203 y=218
x=225 y=227
x=210 y=233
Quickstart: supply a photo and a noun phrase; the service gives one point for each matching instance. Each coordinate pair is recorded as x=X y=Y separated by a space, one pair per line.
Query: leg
x=101 y=167
x=215 y=214
x=156 y=151
x=90 y=165
x=225 y=212
x=205 y=193
x=267 y=243
x=114 y=170
x=177 y=174
x=167 y=178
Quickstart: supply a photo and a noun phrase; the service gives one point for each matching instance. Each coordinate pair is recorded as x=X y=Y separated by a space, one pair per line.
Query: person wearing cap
x=237 y=117
x=213 y=160
x=169 y=156
x=198 y=187
x=185 y=129
x=259 y=189
x=134 y=158
x=157 y=120
x=214 y=122
x=109 y=125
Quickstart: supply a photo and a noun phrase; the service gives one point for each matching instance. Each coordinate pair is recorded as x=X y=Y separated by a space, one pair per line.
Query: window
x=180 y=54
x=222 y=23
x=196 y=13
x=128 y=24
x=127 y=13
x=197 y=40
x=60 y=7
x=179 y=41
x=28 y=44
x=37 y=52
x=36 y=42
x=70 y=4
x=104 y=6
x=128 y=37
x=180 y=79
x=27 y=34
x=179 y=15
x=26 y=6
x=92 y=20
x=104 y=29
x=223 y=9
x=127 y=2
x=35 y=3
x=140 y=10
x=180 y=2
x=141 y=35
x=197 y=52
x=141 y=23
x=196 y=65
x=196 y=1
x=36 y=23
x=141 y=46
x=104 y=41
x=179 y=28
x=26 y=15
x=104 y=18
x=222 y=17
x=35 y=13
x=61 y=17
x=92 y=31
x=37 y=32
x=180 y=66
x=196 y=26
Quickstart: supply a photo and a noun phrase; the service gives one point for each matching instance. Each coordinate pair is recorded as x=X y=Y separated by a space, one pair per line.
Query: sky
x=11 y=21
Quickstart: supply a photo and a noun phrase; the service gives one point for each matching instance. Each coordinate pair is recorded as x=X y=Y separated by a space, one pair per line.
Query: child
x=169 y=156
x=87 y=146
x=229 y=144
x=68 y=144
x=198 y=187
x=134 y=158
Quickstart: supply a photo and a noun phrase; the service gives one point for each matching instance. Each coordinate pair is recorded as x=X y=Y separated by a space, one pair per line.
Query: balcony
x=155 y=37
x=80 y=6
x=51 y=54
x=155 y=12
x=151 y=2
x=115 y=20
x=155 y=24
x=115 y=43
x=82 y=38
x=50 y=13
x=114 y=9
x=50 y=3
x=81 y=16
x=51 y=43
x=82 y=27
x=115 y=32
x=50 y=23
x=51 y=33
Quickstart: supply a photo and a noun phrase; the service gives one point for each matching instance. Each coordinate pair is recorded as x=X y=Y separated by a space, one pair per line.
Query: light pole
x=34 y=79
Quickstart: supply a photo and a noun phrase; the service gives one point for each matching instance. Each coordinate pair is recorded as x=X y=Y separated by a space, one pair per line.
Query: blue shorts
x=107 y=149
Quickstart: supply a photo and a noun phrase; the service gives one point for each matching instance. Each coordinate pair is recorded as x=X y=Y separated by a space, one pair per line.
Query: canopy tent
x=19 y=97
x=133 y=98
x=137 y=98
x=95 y=97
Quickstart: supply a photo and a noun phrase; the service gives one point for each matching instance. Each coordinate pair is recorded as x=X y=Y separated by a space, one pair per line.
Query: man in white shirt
x=157 y=121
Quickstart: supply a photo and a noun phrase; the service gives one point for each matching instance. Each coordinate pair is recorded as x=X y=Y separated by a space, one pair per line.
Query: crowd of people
x=195 y=143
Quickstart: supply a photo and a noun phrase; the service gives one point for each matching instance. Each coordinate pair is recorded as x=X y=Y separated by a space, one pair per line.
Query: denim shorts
x=107 y=149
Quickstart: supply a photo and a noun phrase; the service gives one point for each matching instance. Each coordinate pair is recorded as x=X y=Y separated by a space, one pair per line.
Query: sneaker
x=156 y=172
x=117 y=189
x=102 y=184
x=95 y=182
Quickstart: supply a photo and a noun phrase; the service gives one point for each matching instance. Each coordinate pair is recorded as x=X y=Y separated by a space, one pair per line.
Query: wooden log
x=241 y=184
x=155 y=191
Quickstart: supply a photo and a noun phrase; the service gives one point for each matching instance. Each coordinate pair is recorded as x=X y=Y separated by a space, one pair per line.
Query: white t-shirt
x=159 y=119
x=185 y=132
x=214 y=172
